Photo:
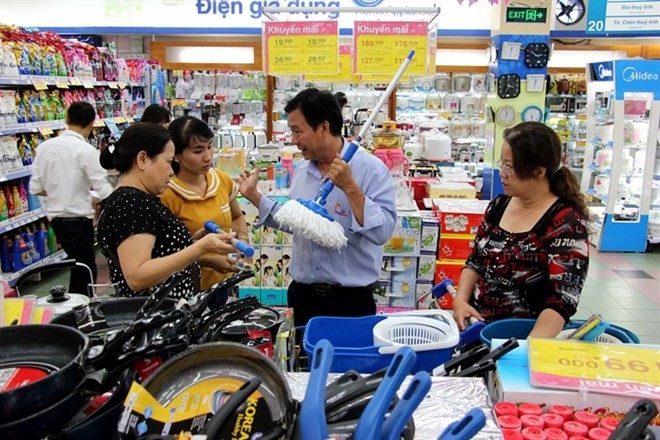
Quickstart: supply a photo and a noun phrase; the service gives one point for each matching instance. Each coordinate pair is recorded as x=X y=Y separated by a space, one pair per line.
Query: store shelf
x=33 y=127
x=59 y=81
x=21 y=220
x=12 y=277
x=16 y=174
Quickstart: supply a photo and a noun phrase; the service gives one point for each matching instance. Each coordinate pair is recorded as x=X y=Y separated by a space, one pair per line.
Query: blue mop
x=309 y=218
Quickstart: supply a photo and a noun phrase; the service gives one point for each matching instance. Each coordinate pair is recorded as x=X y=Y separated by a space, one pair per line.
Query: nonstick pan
x=45 y=363
x=209 y=371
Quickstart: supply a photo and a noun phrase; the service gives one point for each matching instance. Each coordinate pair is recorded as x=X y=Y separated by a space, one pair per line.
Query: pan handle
x=312 y=423
x=465 y=428
x=416 y=392
x=214 y=427
x=371 y=423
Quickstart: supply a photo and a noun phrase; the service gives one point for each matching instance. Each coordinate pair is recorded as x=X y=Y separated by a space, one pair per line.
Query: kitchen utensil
x=634 y=424
x=466 y=428
x=312 y=421
x=416 y=392
x=61 y=301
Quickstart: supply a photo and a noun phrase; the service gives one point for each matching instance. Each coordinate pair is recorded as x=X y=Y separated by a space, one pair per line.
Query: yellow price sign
x=99 y=123
x=112 y=84
x=606 y=368
x=40 y=85
x=381 y=47
x=121 y=84
x=61 y=84
x=119 y=120
x=45 y=131
x=294 y=47
x=75 y=82
x=88 y=84
x=345 y=74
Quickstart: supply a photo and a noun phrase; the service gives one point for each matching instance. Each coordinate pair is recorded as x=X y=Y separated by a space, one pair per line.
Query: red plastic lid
x=579 y=437
x=610 y=423
x=590 y=420
x=506 y=409
x=510 y=422
x=510 y=434
x=531 y=433
x=575 y=428
x=553 y=420
x=555 y=434
x=565 y=411
x=532 y=421
x=530 y=408
x=599 y=434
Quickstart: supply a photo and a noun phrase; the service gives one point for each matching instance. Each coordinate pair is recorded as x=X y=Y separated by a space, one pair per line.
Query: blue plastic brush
x=240 y=245
x=309 y=218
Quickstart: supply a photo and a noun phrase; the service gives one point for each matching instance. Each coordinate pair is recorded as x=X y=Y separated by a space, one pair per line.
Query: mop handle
x=240 y=245
x=355 y=144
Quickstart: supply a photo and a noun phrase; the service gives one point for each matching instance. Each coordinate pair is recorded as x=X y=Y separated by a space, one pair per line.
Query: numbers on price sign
x=596 y=26
x=609 y=363
x=372 y=43
x=313 y=59
x=281 y=42
x=317 y=41
x=371 y=60
x=282 y=60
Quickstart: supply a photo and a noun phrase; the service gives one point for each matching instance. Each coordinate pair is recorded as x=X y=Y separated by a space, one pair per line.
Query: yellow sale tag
x=597 y=367
x=345 y=74
x=45 y=131
x=99 y=123
x=381 y=47
x=40 y=85
x=88 y=84
x=294 y=47
x=61 y=84
x=119 y=120
x=112 y=85
x=129 y=119
x=581 y=117
x=122 y=85
x=75 y=81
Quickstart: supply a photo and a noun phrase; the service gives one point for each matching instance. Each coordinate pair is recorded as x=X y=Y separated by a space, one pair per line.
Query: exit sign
x=526 y=15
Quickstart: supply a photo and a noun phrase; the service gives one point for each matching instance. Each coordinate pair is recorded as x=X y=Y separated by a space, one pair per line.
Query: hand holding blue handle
x=348 y=155
x=210 y=226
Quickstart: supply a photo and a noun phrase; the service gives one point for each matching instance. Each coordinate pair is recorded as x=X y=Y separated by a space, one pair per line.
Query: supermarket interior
x=488 y=172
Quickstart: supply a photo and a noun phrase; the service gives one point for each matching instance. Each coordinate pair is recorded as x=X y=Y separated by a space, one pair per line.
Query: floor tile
x=646 y=315
x=602 y=273
x=632 y=274
x=655 y=340
x=637 y=327
x=639 y=301
x=614 y=315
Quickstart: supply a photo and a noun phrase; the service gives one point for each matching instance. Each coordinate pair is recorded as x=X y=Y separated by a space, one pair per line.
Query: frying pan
x=54 y=353
x=217 y=366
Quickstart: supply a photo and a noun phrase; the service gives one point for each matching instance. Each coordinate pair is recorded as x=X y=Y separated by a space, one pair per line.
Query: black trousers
x=310 y=300
x=76 y=235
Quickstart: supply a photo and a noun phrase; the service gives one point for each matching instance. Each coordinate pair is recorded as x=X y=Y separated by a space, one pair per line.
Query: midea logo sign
x=631 y=74
x=367 y=3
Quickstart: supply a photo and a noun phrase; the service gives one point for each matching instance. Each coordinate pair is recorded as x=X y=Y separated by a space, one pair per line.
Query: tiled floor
x=623 y=288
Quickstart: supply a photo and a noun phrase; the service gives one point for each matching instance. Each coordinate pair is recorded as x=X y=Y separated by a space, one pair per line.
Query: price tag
x=581 y=117
x=381 y=47
x=300 y=46
x=605 y=368
x=112 y=84
x=61 y=84
x=40 y=85
x=119 y=120
x=129 y=119
x=75 y=81
x=345 y=74
x=99 y=123
x=88 y=84
x=45 y=130
x=122 y=85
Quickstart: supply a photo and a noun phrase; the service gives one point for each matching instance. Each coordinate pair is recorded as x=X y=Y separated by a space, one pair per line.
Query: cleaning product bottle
x=28 y=238
x=22 y=194
x=5 y=253
x=16 y=199
x=4 y=213
x=10 y=202
x=52 y=241
x=21 y=256
x=41 y=241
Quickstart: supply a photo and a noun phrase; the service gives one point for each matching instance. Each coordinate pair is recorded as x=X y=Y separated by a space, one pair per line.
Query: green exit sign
x=526 y=15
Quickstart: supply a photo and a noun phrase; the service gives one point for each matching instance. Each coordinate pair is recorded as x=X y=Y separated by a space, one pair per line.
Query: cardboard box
x=448 y=269
x=451 y=190
x=422 y=287
x=406 y=238
x=510 y=382
x=270 y=258
x=274 y=296
x=459 y=216
x=426 y=267
x=455 y=246
x=430 y=233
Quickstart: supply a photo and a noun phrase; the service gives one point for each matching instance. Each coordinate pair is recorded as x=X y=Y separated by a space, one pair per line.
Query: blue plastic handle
x=348 y=155
x=312 y=420
x=466 y=428
x=416 y=392
x=370 y=425
x=210 y=226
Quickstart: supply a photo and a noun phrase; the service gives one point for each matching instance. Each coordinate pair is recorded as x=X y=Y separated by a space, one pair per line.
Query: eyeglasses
x=504 y=168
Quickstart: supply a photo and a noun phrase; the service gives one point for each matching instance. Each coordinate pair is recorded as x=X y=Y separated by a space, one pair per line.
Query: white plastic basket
x=418 y=332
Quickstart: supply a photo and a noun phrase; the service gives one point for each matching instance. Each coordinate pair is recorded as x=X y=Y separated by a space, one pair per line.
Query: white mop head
x=312 y=225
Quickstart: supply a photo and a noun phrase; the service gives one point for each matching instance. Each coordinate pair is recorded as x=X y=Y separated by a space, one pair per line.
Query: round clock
x=508 y=86
x=505 y=115
x=532 y=113
x=569 y=12
x=537 y=55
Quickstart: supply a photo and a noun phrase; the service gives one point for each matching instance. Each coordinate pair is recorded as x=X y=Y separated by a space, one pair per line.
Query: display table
x=449 y=399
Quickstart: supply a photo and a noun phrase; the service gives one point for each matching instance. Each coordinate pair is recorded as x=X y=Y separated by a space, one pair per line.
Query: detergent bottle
x=41 y=241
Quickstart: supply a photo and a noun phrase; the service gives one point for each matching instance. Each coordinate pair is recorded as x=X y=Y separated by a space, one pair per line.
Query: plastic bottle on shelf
x=41 y=241
x=23 y=195
x=5 y=253
x=10 y=202
x=16 y=199
x=281 y=176
x=52 y=241
x=4 y=213
x=21 y=254
x=28 y=237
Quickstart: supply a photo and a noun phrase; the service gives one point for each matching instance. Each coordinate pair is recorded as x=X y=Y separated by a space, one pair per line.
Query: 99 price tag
x=294 y=47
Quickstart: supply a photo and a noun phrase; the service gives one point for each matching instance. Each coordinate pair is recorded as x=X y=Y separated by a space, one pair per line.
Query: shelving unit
x=567 y=115
x=12 y=277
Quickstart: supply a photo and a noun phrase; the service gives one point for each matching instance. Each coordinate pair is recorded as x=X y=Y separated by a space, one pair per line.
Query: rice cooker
x=437 y=147
x=412 y=150
x=62 y=302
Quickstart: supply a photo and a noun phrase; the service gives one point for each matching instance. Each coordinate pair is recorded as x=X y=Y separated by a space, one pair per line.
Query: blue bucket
x=520 y=328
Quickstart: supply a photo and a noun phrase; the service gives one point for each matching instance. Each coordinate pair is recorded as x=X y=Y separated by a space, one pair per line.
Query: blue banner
x=623 y=17
x=637 y=76
x=602 y=71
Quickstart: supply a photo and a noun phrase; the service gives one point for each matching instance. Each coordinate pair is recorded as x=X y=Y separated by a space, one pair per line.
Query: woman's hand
x=216 y=243
x=463 y=312
x=220 y=263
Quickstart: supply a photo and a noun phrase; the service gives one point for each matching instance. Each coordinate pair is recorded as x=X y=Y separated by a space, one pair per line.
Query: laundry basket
x=420 y=333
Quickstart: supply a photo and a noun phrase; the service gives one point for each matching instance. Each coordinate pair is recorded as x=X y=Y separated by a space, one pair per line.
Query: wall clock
x=505 y=115
x=535 y=83
x=537 y=55
x=532 y=113
x=569 y=12
x=508 y=86
x=511 y=50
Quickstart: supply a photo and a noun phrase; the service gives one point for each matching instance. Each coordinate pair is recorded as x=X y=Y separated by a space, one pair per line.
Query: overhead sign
x=637 y=76
x=292 y=47
x=623 y=17
x=603 y=71
x=526 y=15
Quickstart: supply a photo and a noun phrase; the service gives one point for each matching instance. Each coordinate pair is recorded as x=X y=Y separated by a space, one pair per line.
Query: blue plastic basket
x=520 y=328
x=353 y=340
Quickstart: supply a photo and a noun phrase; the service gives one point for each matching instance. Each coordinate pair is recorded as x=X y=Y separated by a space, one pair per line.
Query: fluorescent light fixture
x=210 y=54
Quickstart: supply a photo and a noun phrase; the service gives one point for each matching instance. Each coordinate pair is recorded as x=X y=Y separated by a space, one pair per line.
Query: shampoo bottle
x=22 y=194
x=16 y=199
x=10 y=202
x=4 y=213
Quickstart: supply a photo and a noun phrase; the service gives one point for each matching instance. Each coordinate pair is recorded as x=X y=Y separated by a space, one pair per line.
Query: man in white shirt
x=66 y=169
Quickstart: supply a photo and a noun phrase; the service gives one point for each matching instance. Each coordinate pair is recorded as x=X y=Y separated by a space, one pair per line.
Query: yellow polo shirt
x=194 y=210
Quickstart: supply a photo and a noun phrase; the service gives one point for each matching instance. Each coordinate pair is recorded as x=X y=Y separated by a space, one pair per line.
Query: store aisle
x=625 y=290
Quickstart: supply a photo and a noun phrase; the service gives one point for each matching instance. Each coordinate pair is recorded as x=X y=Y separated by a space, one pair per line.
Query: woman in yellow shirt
x=198 y=193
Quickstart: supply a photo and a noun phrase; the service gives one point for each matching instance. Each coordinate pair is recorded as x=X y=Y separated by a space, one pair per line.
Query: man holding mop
x=329 y=282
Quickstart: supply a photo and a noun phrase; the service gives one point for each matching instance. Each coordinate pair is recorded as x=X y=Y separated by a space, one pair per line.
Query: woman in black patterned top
x=531 y=253
x=143 y=242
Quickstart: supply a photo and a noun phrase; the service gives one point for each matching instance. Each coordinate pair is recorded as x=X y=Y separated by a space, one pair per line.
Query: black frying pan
x=54 y=354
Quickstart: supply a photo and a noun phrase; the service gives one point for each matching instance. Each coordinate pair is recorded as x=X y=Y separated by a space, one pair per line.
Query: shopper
x=198 y=193
x=157 y=114
x=326 y=281
x=64 y=170
x=142 y=240
x=531 y=252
